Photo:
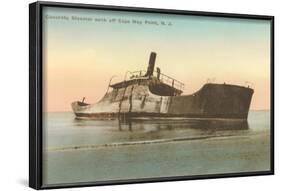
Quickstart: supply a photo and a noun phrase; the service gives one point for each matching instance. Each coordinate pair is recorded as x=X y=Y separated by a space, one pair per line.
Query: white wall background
x=14 y=93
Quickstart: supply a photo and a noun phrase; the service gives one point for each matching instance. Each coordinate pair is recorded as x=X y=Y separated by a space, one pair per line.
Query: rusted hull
x=137 y=100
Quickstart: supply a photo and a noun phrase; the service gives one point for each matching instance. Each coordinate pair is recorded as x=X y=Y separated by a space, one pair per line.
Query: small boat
x=153 y=94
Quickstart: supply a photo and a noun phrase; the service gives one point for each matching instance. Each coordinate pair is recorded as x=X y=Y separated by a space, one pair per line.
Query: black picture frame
x=35 y=92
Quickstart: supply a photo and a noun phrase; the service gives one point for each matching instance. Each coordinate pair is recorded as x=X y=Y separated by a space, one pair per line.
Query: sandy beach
x=178 y=158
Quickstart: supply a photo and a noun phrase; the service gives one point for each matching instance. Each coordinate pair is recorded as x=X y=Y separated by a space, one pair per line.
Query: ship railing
x=162 y=77
x=170 y=81
x=137 y=74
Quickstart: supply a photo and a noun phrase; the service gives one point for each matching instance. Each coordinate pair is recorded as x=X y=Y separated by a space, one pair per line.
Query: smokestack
x=151 y=64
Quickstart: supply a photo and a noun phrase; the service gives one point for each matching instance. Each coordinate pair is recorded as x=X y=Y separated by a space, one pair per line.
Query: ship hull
x=155 y=115
x=137 y=101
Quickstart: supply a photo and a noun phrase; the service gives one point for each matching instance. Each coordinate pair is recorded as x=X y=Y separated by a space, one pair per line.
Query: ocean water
x=97 y=150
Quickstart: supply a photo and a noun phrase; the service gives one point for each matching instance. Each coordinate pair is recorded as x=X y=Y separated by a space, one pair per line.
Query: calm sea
x=98 y=150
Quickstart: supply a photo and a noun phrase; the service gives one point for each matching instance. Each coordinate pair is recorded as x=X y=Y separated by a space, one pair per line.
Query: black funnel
x=151 y=64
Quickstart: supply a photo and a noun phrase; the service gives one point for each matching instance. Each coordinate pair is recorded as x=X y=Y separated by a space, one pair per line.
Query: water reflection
x=199 y=124
x=154 y=129
x=64 y=129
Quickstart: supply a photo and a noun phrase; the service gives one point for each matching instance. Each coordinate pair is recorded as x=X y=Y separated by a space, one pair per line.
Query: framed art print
x=130 y=95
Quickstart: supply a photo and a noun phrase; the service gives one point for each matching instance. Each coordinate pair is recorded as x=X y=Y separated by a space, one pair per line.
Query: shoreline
x=213 y=156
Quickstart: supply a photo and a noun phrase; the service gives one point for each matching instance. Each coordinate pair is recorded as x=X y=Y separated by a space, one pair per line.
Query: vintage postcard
x=133 y=95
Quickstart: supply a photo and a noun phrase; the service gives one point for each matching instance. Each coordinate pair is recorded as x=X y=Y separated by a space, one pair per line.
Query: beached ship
x=151 y=93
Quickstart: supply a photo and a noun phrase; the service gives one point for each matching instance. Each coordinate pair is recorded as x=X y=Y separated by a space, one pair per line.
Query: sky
x=84 y=48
